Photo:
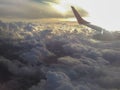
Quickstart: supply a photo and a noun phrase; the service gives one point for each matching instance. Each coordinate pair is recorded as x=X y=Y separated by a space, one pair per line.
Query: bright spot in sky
x=104 y=13
x=60 y=8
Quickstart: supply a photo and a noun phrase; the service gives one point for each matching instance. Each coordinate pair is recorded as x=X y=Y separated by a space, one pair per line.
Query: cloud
x=44 y=1
x=81 y=63
x=29 y=9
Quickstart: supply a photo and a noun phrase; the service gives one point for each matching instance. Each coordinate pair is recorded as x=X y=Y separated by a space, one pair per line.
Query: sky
x=33 y=9
x=104 y=13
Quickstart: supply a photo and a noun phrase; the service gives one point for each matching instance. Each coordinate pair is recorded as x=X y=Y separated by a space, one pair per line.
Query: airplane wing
x=78 y=17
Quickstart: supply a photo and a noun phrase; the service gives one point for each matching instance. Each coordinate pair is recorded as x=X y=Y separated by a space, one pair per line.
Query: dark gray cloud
x=43 y=1
x=30 y=9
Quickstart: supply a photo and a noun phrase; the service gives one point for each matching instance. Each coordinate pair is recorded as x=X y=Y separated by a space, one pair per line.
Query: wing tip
x=78 y=17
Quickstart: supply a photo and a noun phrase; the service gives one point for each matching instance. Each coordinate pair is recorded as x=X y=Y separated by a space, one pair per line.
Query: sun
x=63 y=6
x=60 y=8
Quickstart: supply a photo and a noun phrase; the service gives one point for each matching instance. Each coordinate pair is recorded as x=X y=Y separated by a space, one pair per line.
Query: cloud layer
x=57 y=56
x=30 y=9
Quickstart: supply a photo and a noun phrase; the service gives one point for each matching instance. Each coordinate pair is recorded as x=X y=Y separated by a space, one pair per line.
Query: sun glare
x=63 y=6
x=60 y=8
